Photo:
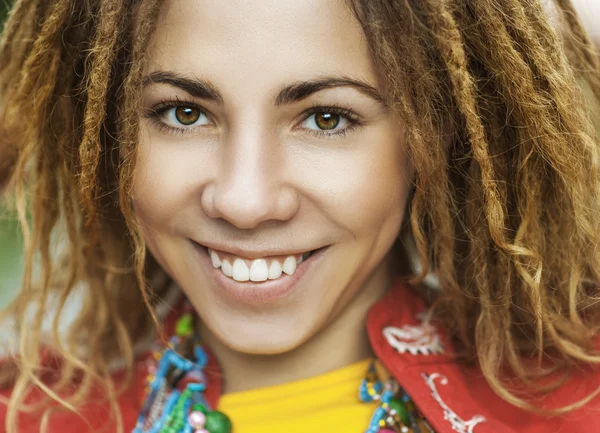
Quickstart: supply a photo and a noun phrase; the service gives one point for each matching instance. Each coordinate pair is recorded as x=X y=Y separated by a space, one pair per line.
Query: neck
x=347 y=333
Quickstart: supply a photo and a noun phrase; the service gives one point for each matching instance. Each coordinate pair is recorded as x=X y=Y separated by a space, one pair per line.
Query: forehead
x=263 y=43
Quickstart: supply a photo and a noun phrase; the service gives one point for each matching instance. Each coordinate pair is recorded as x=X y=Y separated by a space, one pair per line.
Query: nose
x=249 y=187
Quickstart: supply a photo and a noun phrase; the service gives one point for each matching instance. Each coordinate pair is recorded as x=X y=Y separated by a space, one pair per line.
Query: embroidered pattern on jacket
x=457 y=423
x=421 y=339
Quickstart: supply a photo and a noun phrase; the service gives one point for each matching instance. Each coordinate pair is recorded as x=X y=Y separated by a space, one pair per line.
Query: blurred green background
x=4 y=5
x=11 y=263
x=11 y=244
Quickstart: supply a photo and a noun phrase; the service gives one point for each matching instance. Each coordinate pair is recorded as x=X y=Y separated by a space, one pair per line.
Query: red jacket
x=453 y=397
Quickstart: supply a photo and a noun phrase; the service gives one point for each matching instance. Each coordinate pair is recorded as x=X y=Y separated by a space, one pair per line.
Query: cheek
x=366 y=186
x=387 y=176
x=165 y=183
x=383 y=193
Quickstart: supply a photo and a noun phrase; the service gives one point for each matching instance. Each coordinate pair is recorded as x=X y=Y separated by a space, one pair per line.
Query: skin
x=252 y=174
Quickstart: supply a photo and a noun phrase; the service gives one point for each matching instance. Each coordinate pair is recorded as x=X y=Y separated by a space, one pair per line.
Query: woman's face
x=265 y=139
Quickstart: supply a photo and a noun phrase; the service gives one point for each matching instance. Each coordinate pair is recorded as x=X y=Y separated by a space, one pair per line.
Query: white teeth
x=274 y=270
x=216 y=262
x=226 y=268
x=259 y=270
x=289 y=265
x=240 y=270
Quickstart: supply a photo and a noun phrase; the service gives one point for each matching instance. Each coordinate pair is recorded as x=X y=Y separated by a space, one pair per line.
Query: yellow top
x=327 y=403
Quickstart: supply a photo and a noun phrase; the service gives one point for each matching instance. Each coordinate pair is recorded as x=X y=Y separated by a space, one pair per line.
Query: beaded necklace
x=175 y=401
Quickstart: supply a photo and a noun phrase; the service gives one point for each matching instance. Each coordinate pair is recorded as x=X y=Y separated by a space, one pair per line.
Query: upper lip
x=249 y=253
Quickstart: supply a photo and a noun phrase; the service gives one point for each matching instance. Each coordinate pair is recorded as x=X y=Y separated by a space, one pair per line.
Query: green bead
x=217 y=422
x=199 y=408
x=400 y=408
x=185 y=325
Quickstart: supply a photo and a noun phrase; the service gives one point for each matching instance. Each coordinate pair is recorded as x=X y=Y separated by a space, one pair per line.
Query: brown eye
x=187 y=115
x=326 y=120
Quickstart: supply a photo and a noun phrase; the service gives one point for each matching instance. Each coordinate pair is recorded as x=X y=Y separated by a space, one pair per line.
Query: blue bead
x=377 y=416
x=196 y=387
x=387 y=396
x=201 y=357
x=167 y=409
x=176 y=360
x=163 y=365
x=363 y=393
x=187 y=406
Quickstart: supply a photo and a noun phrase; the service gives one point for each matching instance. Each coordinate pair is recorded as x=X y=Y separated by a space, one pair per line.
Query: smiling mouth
x=257 y=270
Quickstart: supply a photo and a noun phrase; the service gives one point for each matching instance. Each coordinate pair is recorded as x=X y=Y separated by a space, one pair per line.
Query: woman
x=265 y=157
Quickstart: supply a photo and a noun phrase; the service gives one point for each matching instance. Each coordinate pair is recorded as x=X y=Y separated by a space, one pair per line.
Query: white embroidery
x=421 y=339
x=457 y=422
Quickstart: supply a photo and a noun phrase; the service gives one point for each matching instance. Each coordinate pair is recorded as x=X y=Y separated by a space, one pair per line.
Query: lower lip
x=256 y=293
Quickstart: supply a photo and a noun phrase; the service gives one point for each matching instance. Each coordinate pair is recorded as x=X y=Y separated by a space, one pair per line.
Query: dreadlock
x=504 y=208
x=516 y=166
x=80 y=60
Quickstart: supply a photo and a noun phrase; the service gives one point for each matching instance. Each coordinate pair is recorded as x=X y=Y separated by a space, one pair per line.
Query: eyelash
x=156 y=112
x=353 y=119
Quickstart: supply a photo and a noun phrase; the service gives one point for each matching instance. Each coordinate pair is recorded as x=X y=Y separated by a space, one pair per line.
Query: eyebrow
x=303 y=89
x=200 y=89
x=294 y=92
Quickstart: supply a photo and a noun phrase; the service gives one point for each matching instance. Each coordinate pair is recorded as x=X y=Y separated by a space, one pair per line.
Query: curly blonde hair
x=504 y=208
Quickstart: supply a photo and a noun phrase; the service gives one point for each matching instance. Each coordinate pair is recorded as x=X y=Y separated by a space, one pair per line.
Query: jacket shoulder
x=94 y=415
x=454 y=396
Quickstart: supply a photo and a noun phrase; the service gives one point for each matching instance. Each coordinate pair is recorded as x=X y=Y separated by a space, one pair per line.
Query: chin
x=262 y=339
